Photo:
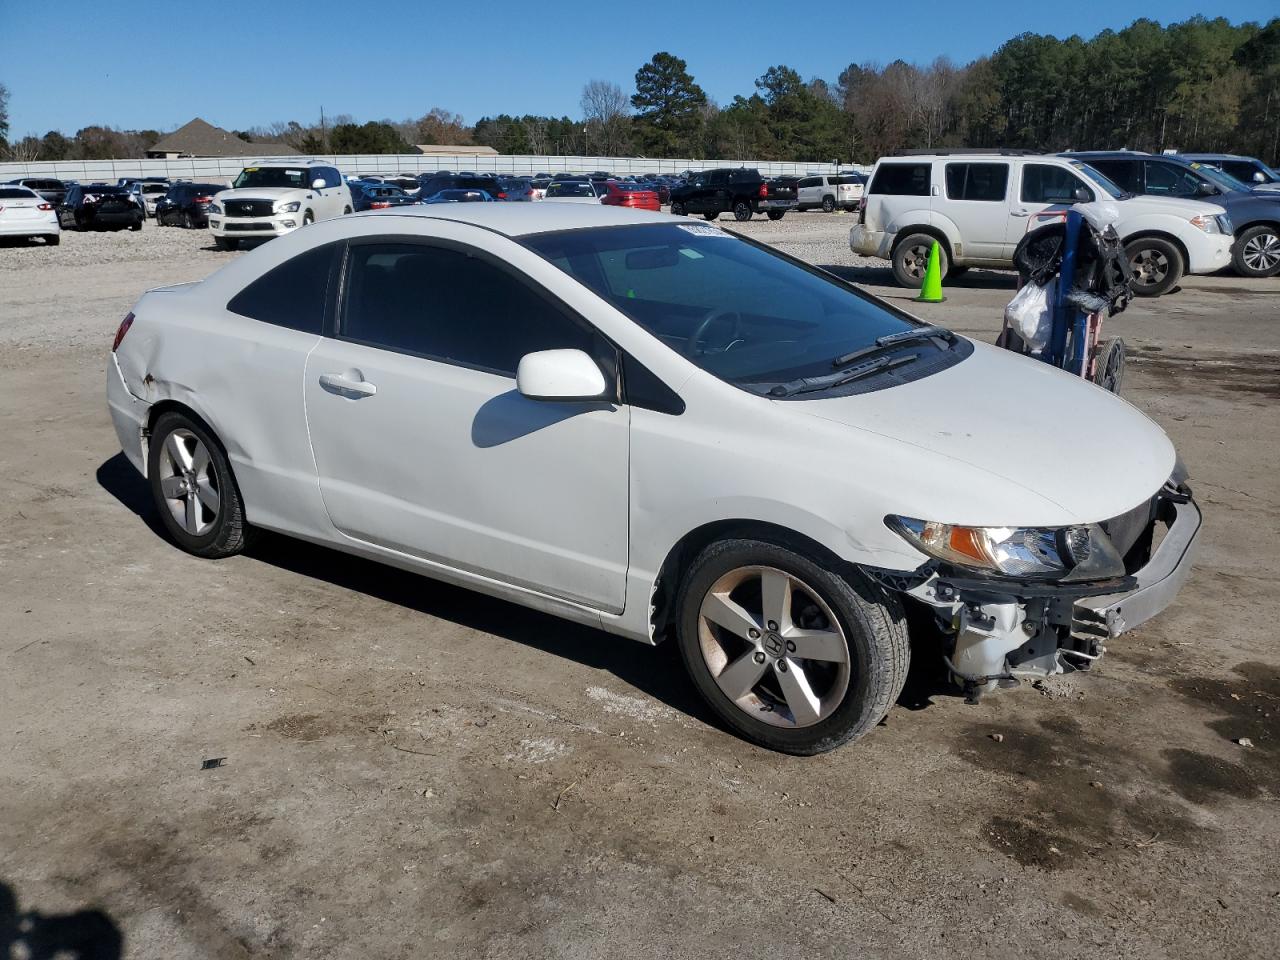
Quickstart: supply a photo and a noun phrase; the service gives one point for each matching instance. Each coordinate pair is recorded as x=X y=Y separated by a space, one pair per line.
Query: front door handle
x=1022 y=213
x=351 y=384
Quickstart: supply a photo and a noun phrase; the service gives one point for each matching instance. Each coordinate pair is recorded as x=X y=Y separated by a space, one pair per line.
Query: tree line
x=1202 y=84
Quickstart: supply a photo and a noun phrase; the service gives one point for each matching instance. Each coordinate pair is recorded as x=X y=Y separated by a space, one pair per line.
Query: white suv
x=978 y=206
x=829 y=192
x=270 y=199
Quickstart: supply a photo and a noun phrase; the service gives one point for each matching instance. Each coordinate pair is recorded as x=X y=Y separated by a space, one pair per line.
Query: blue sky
x=136 y=64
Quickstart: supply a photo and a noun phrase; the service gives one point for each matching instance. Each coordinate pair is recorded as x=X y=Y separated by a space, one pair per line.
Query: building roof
x=199 y=138
x=455 y=150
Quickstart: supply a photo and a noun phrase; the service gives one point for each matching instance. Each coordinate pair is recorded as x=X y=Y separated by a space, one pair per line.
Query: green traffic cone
x=931 y=289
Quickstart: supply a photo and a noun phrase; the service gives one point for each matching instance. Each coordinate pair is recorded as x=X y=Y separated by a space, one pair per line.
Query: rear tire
x=137 y=225
x=1256 y=252
x=711 y=216
x=777 y=214
x=677 y=209
x=1157 y=266
x=1108 y=371
x=742 y=211
x=194 y=489
x=911 y=258
x=828 y=204
x=52 y=239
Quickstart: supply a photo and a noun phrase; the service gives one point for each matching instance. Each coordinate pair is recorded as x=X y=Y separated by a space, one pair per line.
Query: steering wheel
x=692 y=345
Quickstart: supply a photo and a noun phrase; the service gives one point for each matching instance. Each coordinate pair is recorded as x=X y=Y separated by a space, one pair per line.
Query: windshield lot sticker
x=702 y=230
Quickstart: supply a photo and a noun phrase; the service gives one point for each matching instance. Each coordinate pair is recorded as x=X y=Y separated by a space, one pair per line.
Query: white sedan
x=24 y=213
x=657 y=428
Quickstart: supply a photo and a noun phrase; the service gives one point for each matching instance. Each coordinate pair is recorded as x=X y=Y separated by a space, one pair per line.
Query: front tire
x=194 y=490
x=1157 y=266
x=677 y=209
x=742 y=211
x=789 y=654
x=225 y=243
x=711 y=216
x=911 y=259
x=1256 y=252
x=308 y=218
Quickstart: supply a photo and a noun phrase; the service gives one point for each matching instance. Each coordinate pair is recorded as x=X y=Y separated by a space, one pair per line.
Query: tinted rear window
x=851 y=178
x=902 y=179
x=15 y=193
x=291 y=295
x=977 y=181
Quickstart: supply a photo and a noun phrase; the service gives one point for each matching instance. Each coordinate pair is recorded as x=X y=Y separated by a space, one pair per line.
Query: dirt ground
x=414 y=770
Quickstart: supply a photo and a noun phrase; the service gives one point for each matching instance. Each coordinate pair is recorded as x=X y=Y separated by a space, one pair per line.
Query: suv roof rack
x=970 y=151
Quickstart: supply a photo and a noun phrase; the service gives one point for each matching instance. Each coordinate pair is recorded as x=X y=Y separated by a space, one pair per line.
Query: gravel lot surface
x=413 y=770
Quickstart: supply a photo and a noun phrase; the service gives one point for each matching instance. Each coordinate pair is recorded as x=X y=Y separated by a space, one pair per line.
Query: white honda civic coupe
x=658 y=428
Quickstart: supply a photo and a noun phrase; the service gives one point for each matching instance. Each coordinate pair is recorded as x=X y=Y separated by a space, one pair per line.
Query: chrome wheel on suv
x=1257 y=252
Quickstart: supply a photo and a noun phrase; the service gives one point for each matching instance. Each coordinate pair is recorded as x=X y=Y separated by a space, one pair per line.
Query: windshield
x=569 y=188
x=272 y=177
x=1101 y=179
x=738 y=310
x=1221 y=178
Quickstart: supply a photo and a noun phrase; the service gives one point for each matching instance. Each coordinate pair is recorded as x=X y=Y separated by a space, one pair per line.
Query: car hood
x=1083 y=452
x=260 y=193
x=1188 y=208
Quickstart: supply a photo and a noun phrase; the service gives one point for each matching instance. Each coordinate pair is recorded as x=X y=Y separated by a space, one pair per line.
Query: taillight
x=764 y=190
x=501 y=195
x=379 y=205
x=203 y=199
x=44 y=206
x=125 y=324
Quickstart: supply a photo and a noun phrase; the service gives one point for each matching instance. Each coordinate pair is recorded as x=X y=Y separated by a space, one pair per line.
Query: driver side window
x=1042 y=183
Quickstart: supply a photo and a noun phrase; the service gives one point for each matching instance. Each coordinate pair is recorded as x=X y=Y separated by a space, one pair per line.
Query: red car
x=629 y=195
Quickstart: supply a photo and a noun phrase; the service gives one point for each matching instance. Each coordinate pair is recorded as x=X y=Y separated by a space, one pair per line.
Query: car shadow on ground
x=658 y=671
x=83 y=935
x=883 y=277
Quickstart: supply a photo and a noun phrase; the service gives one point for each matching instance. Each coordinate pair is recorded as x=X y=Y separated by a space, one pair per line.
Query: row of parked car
x=1176 y=214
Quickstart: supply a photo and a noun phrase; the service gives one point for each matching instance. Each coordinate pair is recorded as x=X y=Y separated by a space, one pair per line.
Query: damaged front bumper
x=1007 y=631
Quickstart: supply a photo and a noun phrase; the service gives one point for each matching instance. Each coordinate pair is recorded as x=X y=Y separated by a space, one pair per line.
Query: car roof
x=523 y=219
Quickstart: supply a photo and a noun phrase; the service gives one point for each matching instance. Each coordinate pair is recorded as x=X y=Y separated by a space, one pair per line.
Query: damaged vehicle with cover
x=662 y=430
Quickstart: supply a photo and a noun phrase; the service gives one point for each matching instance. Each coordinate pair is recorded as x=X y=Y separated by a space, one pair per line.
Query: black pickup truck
x=740 y=191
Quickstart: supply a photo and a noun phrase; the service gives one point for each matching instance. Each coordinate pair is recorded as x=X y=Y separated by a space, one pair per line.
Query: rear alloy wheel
x=1156 y=264
x=1257 y=252
x=911 y=260
x=742 y=211
x=187 y=222
x=789 y=654
x=193 y=489
x=677 y=209
x=828 y=204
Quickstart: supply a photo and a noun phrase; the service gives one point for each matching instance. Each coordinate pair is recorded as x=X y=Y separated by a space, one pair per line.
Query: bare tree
x=4 y=112
x=23 y=151
x=606 y=110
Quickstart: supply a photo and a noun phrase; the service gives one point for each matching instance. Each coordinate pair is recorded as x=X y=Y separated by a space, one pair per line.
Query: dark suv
x=100 y=206
x=740 y=191
x=186 y=205
x=55 y=191
x=433 y=183
x=1255 y=216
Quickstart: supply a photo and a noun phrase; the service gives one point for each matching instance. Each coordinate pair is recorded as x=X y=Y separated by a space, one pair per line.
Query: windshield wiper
x=840 y=377
x=890 y=340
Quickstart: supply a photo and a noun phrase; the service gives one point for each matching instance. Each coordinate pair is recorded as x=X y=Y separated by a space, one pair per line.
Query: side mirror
x=317 y=183
x=1082 y=195
x=1206 y=189
x=560 y=375
x=1259 y=177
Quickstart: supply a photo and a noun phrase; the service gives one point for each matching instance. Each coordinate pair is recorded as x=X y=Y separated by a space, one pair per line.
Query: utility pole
x=324 y=132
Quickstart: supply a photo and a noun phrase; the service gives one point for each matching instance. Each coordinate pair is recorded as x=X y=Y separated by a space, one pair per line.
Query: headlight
x=1077 y=553
x=214 y=208
x=1207 y=224
x=289 y=207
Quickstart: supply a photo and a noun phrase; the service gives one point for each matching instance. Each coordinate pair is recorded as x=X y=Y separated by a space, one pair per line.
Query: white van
x=979 y=205
x=830 y=191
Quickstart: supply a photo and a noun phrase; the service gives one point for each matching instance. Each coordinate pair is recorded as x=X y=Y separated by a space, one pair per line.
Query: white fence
x=225 y=168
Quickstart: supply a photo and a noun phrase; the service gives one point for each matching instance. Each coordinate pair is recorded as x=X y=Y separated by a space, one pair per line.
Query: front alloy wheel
x=773 y=646
x=1257 y=252
x=790 y=651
